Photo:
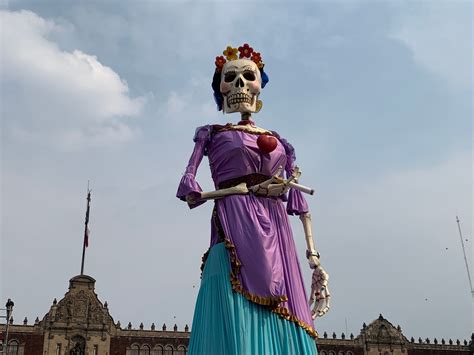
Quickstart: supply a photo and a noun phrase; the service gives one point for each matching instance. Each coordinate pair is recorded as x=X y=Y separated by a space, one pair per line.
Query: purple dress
x=255 y=229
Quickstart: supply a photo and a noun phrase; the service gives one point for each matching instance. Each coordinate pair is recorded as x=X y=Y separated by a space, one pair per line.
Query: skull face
x=240 y=85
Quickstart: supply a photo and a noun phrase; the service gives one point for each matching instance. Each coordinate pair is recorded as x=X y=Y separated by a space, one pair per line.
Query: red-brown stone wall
x=356 y=350
x=119 y=345
x=438 y=352
x=33 y=342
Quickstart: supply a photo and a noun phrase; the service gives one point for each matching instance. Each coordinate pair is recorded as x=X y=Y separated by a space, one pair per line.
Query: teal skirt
x=226 y=323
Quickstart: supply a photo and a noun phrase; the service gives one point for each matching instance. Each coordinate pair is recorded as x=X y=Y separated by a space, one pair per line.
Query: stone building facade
x=80 y=324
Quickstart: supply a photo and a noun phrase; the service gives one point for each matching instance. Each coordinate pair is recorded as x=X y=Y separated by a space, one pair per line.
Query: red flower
x=245 y=51
x=257 y=59
x=220 y=61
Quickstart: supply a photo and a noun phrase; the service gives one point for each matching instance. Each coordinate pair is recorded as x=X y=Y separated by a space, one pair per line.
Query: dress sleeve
x=188 y=184
x=296 y=201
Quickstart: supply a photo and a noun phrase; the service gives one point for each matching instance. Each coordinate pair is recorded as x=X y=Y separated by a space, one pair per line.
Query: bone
x=240 y=189
x=302 y=188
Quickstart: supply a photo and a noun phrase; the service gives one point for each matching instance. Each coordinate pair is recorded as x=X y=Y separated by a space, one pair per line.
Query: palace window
x=181 y=350
x=324 y=352
x=168 y=350
x=135 y=350
x=349 y=353
x=13 y=346
x=145 y=350
x=58 y=349
x=158 y=350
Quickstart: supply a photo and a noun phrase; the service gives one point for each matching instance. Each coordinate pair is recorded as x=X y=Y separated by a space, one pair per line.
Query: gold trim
x=284 y=313
x=204 y=259
x=272 y=303
x=232 y=127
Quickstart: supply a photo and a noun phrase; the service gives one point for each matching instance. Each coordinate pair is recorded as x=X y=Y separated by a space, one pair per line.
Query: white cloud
x=175 y=103
x=372 y=232
x=68 y=99
x=190 y=103
x=398 y=232
x=440 y=35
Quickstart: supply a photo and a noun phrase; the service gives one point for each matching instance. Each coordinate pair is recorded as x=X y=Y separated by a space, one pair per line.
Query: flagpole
x=465 y=258
x=86 y=230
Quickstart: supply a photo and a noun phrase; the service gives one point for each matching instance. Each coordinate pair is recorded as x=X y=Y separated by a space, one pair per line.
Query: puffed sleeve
x=188 y=184
x=296 y=202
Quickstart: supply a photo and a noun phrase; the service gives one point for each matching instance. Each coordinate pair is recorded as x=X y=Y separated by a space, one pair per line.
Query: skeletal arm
x=319 y=298
x=312 y=253
x=274 y=186
x=320 y=295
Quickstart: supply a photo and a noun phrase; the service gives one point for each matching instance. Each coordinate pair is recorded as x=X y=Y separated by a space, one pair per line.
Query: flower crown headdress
x=244 y=51
x=229 y=54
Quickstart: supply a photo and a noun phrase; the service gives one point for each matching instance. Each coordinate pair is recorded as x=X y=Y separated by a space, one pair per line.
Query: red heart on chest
x=266 y=143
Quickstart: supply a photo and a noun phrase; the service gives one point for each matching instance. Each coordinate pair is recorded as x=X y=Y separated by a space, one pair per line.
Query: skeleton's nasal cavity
x=239 y=83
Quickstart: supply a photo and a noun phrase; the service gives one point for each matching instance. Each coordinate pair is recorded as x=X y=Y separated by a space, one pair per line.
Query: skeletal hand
x=320 y=295
x=276 y=185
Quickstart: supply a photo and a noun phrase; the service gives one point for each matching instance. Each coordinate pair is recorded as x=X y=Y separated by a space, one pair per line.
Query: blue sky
x=375 y=96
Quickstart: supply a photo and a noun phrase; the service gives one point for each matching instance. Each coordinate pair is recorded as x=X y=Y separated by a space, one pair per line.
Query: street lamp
x=9 y=308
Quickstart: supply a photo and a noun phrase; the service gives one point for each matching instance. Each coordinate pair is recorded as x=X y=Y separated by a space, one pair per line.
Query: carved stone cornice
x=381 y=333
x=80 y=309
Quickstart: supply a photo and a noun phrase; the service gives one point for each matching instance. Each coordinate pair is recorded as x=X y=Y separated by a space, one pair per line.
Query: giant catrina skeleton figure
x=252 y=299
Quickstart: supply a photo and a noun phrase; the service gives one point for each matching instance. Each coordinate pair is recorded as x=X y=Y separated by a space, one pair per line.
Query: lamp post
x=9 y=308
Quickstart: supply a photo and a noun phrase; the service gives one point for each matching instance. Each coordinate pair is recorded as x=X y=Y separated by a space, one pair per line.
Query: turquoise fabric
x=226 y=323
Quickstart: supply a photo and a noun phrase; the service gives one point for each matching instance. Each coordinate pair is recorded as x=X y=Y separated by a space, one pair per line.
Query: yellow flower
x=230 y=53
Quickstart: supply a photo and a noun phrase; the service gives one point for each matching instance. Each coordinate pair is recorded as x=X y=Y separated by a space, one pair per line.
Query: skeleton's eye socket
x=249 y=75
x=229 y=77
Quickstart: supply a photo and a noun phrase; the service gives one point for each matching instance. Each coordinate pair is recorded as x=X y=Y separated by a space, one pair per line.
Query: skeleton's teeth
x=239 y=98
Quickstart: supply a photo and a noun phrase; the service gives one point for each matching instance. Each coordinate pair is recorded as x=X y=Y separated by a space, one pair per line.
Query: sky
x=375 y=96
